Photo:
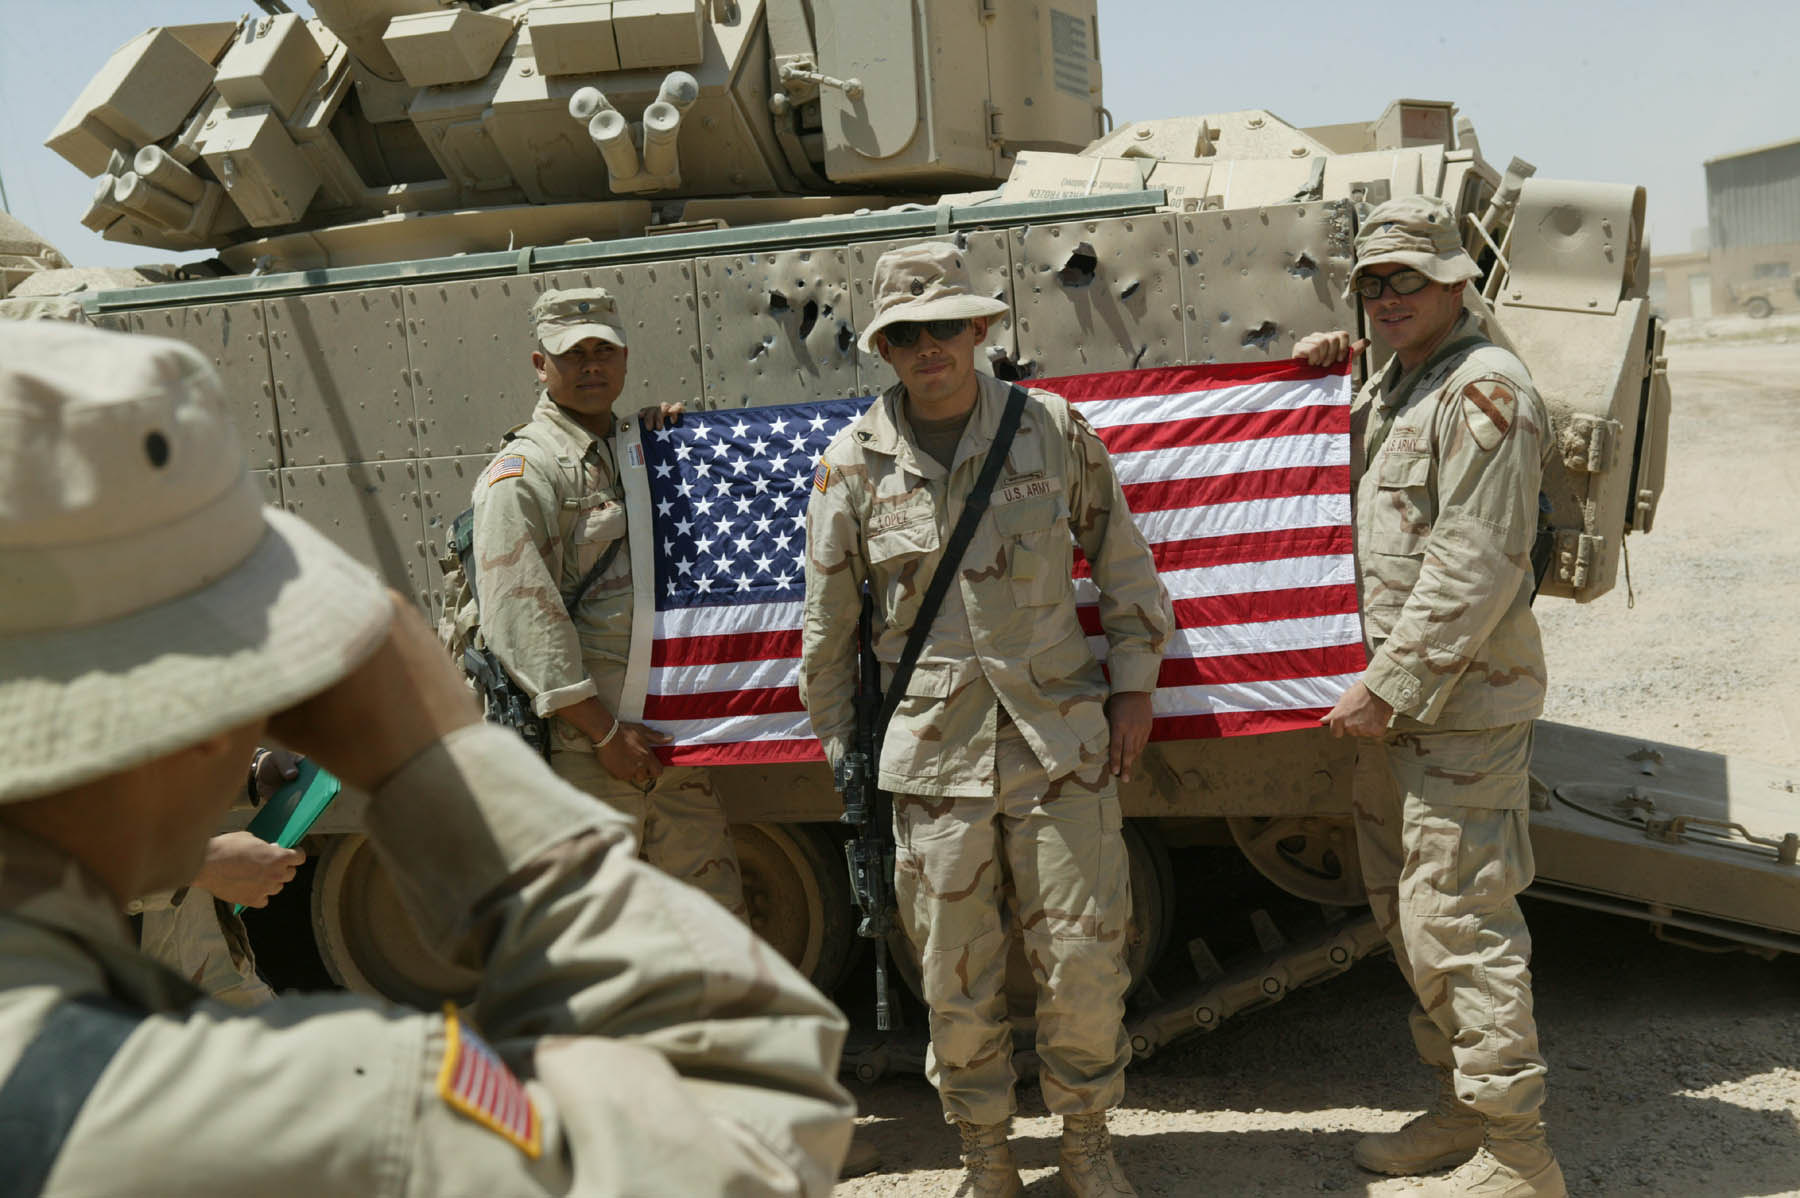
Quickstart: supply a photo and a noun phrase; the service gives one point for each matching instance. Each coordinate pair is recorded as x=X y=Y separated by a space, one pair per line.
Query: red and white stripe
x=1238 y=476
x=478 y=1083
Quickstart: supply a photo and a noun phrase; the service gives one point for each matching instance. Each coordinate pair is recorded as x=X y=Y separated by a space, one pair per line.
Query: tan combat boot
x=1514 y=1162
x=1448 y=1134
x=1086 y=1160
x=989 y=1170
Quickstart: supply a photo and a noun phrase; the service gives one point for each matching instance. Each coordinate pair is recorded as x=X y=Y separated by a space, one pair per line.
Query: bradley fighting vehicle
x=388 y=184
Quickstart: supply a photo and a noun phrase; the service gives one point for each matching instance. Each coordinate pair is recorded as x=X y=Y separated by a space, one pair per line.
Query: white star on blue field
x=730 y=490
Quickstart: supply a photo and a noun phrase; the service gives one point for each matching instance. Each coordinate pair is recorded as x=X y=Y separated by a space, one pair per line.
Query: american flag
x=474 y=1080
x=1238 y=475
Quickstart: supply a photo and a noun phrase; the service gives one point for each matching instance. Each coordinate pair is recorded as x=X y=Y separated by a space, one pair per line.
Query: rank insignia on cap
x=918 y=286
x=821 y=476
x=475 y=1081
x=510 y=466
x=582 y=306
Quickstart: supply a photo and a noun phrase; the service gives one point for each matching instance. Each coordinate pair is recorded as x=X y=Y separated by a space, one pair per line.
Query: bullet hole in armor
x=960 y=241
x=1192 y=257
x=809 y=316
x=1129 y=289
x=778 y=303
x=1224 y=318
x=1078 y=269
x=1304 y=267
x=1006 y=369
x=1260 y=336
x=156 y=447
x=1139 y=356
x=762 y=347
x=846 y=337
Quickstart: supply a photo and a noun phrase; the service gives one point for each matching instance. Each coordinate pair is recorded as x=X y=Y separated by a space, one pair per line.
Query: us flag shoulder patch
x=821 y=476
x=510 y=466
x=475 y=1081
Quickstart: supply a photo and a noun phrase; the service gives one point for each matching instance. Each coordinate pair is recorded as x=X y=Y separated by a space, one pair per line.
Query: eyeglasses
x=905 y=333
x=1401 y=282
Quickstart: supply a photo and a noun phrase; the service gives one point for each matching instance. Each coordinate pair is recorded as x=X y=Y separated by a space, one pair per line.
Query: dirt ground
x=1673 y=1073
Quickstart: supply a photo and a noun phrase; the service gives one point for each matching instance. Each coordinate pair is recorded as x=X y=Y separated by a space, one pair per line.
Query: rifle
x=869 y=810
x=503 y=700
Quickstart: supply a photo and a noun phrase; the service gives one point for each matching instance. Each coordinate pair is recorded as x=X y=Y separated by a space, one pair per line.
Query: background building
x=1752 y=260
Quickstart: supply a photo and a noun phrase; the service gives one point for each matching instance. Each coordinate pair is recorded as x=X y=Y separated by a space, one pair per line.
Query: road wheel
x=797 y=888
x=1152 y=921
x=366 y=939
x=1312 y=856
x=1758 y=306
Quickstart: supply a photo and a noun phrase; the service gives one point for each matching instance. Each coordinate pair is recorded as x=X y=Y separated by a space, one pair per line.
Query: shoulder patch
x=822 y=476
x=1489 y=408
x=475 y=1081
x=510 y=466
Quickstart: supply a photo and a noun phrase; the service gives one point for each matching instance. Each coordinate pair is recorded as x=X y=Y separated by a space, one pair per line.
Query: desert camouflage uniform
x=546 y=509
x=672 y=1052
x=1446 y=512
x=202 y=939
x=998 y=752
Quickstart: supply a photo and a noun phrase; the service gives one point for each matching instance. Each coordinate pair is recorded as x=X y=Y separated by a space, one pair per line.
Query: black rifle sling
x=945 y=573
x=51 y=1081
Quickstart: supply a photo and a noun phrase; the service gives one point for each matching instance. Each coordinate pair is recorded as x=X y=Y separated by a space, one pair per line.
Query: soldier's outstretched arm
x=835 y=573
x=517 y=557
x=1490 y=433
x=655 y=1045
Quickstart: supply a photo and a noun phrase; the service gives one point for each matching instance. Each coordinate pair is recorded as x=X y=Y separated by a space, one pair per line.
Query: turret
x=395 y=128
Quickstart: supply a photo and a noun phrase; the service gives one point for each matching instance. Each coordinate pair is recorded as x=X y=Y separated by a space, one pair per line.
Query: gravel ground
x=1673 y=1073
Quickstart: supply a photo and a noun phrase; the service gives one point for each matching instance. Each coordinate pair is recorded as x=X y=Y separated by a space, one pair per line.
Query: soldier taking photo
x=1006 y=742
x=1453 y=443
x=157 y=622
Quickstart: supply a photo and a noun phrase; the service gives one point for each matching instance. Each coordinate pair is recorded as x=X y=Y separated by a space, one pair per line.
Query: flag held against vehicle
x=1238 y=475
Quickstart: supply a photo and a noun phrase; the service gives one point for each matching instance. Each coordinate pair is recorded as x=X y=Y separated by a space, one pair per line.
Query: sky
x=1627 y=91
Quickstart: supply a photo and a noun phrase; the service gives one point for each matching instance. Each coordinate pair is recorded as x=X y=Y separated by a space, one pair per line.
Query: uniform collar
x=883 y=429
x=1398 y=385
x=576 y=439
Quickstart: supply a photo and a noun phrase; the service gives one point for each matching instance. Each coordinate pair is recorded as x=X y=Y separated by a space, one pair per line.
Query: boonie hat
x=928 y=281
x=148 y=598
x=1417 y=231
x=562 y=320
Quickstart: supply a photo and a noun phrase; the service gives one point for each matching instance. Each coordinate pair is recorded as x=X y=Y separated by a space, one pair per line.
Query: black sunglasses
x=1401 y=282
x=905 y=333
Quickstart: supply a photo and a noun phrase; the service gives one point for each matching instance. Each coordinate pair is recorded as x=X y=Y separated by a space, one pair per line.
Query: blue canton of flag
x=730 y=490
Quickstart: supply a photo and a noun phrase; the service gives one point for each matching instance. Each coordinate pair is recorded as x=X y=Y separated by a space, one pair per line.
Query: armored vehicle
x=387 y=186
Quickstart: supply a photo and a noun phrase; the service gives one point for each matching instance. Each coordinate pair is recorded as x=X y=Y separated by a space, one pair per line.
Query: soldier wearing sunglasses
x=1449 y=444
x=1006 y=748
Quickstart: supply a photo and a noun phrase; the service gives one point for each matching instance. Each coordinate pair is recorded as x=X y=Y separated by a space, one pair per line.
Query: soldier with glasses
x=1453 y=441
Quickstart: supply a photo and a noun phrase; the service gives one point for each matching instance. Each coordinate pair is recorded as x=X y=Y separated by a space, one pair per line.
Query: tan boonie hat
x=1416 y=231
x=148 y=598
x=928 y=281
x=561 y=320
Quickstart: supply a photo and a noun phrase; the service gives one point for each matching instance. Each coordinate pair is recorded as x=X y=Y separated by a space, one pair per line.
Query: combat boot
x=1447 y=1134
x=1087 y=1164
x=1514 y=1162
x=989 y=1170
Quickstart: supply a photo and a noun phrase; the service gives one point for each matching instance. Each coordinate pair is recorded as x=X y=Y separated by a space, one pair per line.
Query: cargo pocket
x=914 y=744
x=1041 y=552
x=599 y=521
x=1401 y=519
x=895 y=555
